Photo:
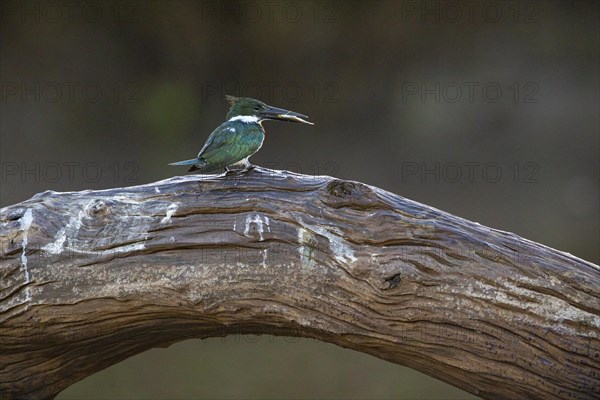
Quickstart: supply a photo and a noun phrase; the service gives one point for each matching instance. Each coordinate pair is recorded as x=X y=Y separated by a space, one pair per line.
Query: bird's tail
x=196 y=164
x=188 y=162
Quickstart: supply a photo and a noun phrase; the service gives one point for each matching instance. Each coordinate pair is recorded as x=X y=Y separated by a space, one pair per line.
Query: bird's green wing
x=227 y=145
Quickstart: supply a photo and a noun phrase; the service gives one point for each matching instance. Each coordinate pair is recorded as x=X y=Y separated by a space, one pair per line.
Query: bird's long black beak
x=280 y=114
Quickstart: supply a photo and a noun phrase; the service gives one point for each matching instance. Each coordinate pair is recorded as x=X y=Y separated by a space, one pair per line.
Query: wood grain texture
x=90 y=278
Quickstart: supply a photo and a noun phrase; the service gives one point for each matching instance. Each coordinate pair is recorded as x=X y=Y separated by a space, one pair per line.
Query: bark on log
x=90 y=278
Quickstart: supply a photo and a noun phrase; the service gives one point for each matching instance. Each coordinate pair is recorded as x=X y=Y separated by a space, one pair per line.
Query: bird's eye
x=257 y=108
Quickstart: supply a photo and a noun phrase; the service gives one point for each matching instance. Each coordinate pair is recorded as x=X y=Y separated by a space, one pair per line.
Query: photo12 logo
x=72 y=11
x=469 y=92
x=451 y=12
x=271 y=91
x=68 y=171
x=469 y=172
x=67 y=92
x=326 y=12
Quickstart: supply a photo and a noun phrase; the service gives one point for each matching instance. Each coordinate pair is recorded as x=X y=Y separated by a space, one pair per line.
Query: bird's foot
x=236 y=171
x=249 y=168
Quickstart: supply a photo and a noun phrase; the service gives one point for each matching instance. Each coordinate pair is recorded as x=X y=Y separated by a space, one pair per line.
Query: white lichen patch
x=58 y=244
x=185 y=280
x=307 y=242
x=261 y=225
x=127 y=199
x=72 y=228
x=553 y=308
x=540 y=306
x=338 y=246
x=373 y=260
x=169 y=213
x=67 y=238
x=25 y=224
x=265 y=254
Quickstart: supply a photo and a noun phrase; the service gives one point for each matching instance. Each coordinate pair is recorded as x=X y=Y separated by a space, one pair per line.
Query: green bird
x=238 y=138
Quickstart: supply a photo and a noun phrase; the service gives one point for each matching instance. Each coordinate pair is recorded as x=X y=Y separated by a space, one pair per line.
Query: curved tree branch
x=90 y=278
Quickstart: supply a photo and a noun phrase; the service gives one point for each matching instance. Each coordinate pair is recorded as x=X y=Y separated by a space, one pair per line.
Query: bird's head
x=251 y=110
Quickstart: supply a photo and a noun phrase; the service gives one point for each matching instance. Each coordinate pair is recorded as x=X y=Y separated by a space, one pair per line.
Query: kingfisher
x=235 y=140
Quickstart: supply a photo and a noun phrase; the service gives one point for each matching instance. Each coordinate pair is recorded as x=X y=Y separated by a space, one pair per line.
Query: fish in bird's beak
x=280 y=114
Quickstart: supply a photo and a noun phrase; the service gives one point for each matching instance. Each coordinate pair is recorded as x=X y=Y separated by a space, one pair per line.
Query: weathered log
x=90 y=278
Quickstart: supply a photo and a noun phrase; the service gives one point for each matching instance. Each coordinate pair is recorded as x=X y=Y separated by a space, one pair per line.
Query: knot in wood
x=393 y=281
x=15 y=214
x=98 y=208
x=341 y=189
x=351 y=194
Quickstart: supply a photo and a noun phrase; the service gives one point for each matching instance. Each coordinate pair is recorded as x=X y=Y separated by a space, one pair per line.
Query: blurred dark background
x=487 y=110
